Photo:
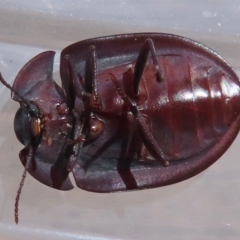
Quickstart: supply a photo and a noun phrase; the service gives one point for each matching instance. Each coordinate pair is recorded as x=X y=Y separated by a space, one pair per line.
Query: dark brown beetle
x=136 y=111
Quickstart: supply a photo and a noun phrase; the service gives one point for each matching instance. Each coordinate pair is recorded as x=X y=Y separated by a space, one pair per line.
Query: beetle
x=135 y=111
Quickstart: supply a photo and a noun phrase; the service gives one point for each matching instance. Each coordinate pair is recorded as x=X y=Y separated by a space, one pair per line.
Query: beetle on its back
x=186 y=95
x=136 y=111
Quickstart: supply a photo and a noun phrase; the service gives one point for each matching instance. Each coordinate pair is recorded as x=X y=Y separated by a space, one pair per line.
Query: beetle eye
x=26 y=126
x=22 y=126
x=35 y=126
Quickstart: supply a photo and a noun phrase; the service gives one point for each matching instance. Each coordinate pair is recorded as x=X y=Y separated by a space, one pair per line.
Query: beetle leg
x=78 y=141
x=91 y=72
x=78 y=136
x=142 y=151
x=127 y=151
x=89 y=99
x=147 y=136
x=90 y=83
x=74 y=157
x=77 y=81
x=147 y=47
x=77 y=86
x=68 y=81
x=150 y=142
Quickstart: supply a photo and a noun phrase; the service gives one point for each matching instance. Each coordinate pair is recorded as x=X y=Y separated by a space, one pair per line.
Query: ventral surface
x=135 y=111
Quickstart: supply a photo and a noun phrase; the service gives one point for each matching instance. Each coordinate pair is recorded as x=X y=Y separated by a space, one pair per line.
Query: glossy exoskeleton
x=135 y=111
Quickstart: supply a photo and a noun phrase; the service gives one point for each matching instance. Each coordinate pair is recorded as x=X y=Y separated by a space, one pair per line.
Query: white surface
x=204 y=207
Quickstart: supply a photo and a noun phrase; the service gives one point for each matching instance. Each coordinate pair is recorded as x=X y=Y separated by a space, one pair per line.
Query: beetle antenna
x=28 y=160
x=11 y=88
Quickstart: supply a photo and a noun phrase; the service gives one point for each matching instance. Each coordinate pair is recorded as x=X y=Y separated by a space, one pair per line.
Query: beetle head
x=27 y=122
x=26 y=126
x=43 y=122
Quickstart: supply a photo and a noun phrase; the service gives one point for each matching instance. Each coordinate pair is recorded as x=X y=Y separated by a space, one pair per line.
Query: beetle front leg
x=147 y=47
x=77 y=142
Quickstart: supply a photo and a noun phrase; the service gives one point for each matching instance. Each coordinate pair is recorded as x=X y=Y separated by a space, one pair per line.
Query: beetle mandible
x=135 y=111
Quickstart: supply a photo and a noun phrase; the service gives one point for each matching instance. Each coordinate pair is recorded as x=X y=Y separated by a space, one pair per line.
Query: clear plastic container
x=206 y=206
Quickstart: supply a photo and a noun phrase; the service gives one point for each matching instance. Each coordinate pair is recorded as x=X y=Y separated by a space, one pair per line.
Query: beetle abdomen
x=192 y=107
x=192 y=113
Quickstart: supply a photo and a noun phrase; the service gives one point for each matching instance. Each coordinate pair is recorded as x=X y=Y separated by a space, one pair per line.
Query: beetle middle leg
x=87 y=125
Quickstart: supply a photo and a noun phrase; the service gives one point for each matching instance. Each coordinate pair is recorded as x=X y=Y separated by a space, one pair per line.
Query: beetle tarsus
x=28 y=160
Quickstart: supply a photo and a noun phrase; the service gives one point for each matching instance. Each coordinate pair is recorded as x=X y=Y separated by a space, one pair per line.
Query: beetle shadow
x=58 y=171
x=122 y=202
x=126 y=157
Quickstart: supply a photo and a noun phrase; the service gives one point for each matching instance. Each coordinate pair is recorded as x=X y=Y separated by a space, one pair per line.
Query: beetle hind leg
x=147 y=47
x=146 y=135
